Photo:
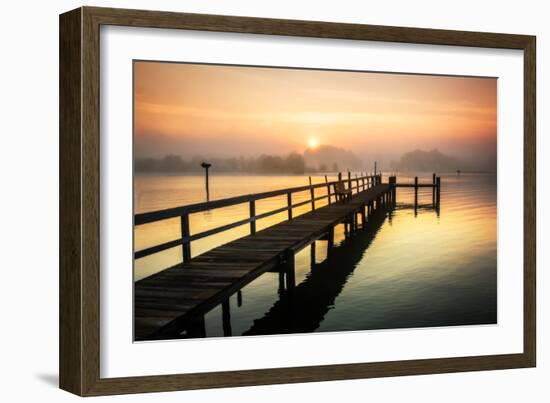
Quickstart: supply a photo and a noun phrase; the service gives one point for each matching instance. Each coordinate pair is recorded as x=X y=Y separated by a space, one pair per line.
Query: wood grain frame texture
x=79 y=200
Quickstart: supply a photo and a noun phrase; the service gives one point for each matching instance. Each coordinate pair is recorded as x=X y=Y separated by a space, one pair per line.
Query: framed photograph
x=249 y=201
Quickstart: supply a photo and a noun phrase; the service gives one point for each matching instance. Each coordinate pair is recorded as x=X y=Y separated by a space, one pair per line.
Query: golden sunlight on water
x=412 y=269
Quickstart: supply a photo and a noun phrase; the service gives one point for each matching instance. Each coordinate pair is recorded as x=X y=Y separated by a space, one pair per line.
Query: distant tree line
x=264 y=164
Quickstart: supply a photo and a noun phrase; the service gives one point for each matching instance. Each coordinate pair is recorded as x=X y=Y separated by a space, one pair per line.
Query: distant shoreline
x=306 y=174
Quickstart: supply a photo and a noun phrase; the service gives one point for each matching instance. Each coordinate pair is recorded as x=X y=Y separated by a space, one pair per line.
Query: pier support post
x=433 y=188
x=394 y=190
x=346 y=227
x=239 y=298
x=438 y=185
x=226 y=318
x=290 y=271
x=336 y=197
x=363 y=217
x=415 y=195
x=281 y=289
x=196 y=327
x=330 y=242
x=312 y=255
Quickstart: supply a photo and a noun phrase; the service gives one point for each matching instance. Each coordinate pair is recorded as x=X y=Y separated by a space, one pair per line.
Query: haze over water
x=406 y=270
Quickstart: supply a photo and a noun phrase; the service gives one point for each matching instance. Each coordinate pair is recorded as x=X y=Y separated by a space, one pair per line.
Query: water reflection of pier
x=301 y=309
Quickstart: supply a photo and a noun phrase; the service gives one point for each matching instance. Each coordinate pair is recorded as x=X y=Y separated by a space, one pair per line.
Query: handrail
x=152 y=216
x=361 y=183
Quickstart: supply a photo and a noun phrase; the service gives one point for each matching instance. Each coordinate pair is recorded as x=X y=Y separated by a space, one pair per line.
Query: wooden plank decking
x=164 y=302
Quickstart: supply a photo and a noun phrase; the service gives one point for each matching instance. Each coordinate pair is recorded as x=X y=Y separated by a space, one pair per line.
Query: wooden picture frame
x=80 y=184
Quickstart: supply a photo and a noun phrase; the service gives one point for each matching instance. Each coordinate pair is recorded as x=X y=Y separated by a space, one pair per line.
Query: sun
x=312 y=142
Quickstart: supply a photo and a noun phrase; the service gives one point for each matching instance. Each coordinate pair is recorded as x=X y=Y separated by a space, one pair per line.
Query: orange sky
x=208 y=110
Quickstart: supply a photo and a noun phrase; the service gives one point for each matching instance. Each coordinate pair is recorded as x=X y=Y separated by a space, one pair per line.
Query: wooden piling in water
x=196 y=327
x=290 y=270
x=312 y=254
x=393 y=183
x=330 y=242
x=281 y=289
x=433 y=189
x=415 y=196
x=226 y=318
x=206 y=166
x=438 y=185
x=239 y=298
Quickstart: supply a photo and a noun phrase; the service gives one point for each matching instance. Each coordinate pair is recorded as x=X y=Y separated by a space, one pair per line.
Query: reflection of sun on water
x=312 y=142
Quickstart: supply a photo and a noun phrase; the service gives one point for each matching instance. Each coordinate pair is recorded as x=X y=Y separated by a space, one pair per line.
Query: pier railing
x=356 y=183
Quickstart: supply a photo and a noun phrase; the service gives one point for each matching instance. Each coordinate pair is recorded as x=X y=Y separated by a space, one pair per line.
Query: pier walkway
x=177 y=298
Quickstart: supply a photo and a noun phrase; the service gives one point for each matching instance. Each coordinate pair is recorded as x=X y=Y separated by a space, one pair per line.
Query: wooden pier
x=177 y=298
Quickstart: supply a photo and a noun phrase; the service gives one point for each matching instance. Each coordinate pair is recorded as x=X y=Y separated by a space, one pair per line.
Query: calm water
x=409 y=269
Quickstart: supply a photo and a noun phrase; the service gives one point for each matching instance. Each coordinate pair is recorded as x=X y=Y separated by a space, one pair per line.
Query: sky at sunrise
x=229 y=111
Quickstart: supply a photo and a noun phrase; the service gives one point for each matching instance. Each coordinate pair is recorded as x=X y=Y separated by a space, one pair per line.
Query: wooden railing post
x=438 y=183
x=252 y=209
x=289 y=204
x=312 y=192
x=328 y=189
x=185 y=242
x=349 y=181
